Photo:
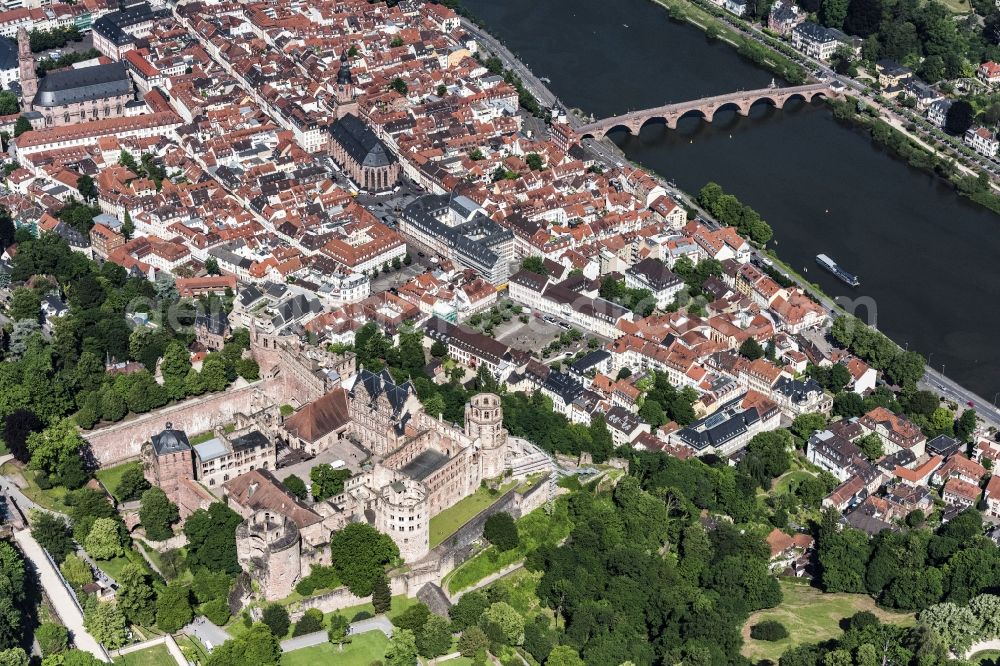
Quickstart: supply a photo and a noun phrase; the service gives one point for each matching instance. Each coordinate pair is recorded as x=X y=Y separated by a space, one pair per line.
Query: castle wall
x=122 y=441
x=441 y=561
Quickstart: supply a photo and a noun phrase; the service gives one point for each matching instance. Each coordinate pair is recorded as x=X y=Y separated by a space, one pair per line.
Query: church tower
x=345 y=81
x=484 y=422
x=26 y=65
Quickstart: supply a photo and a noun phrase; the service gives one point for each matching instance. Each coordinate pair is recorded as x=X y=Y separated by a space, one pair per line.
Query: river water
x=927 y=259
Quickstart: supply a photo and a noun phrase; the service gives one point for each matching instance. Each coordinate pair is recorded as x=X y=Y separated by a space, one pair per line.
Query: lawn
x=533 y=530
x=361 y=651
x=457 y=661
x=112 y=476
x=810 y=616
x=201 y=437
x=448 y=521
x=192 y=648
x=158 y=655
x=51 y=499
x=957 y=6
x=400 y=603
x=784 y=484
x=113 y=567
x=520 y=591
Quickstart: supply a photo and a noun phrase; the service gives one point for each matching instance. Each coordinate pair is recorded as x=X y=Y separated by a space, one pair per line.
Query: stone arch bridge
x=706 y=107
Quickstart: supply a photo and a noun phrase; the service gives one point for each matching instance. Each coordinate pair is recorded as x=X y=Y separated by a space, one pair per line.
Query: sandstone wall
x=121 y=441
x=452 y=552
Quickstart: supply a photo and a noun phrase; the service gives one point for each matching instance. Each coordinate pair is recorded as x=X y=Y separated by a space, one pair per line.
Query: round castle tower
x=484 y=421
x=401 y=512
x=267 y=547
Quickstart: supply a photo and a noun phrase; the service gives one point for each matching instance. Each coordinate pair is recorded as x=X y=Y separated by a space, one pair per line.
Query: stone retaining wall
x=122 y=441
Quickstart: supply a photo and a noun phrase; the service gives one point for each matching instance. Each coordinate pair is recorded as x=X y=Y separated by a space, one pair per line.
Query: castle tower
x=268 y=547
x=484 y=421
x=26 y=65
x=401 y=512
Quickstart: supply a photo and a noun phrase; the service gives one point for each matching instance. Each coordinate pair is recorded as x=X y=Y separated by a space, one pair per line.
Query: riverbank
x=918 y=155
x=714 y=28
x=888 y=135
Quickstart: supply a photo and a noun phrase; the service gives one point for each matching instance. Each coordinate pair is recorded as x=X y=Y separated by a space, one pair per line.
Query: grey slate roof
x=563 y=385
x=170 y=441
x=815 y=33
x=797 y=390
x=594 y=358
x=254 y=439
x=360 y=142
x=73 y=86
x=112 y=26
x=8 y=54
x=425 y=464
x=377 y=384
x=478 y=242
x=655 y=273
x=729 y=422
x=215 y=324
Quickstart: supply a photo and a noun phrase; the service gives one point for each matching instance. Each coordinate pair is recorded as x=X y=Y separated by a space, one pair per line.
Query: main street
x=531 y=82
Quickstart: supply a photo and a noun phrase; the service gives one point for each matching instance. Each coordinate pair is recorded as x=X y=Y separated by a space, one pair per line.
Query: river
x=926 y=258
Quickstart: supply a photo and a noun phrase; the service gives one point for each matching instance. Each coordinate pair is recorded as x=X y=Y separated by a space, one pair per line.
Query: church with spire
x=72 y=95
x=345 y=88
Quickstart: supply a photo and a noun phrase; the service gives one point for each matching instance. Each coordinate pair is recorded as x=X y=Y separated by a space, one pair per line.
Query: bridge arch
x=734 y=105
x=806 y=97
x=706 y=108
x=628 y=127
x=694 y=113
x=771 y=100
x=656 y=119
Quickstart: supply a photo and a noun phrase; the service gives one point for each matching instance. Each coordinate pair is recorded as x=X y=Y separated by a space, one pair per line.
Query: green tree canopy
x=104 y=540
x=157 y=513
x=136 y=597
x=106 y=623
x=360 y=554
x=275 y=617
x=173 y=607
x=501 y=531
x=211 y=537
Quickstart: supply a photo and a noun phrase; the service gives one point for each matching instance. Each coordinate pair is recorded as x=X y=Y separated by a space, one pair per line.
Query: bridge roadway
x=707 y=107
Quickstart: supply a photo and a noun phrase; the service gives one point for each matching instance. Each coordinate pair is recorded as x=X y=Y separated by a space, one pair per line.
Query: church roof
x=73 y=86
x=360 y=142
x=344 y=75
x=8 y=54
